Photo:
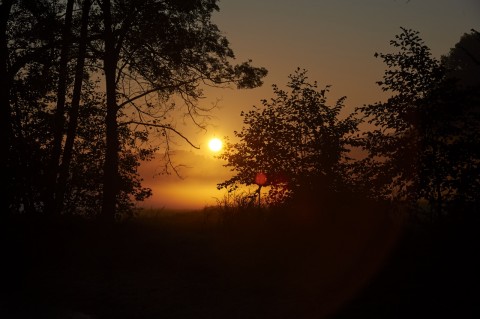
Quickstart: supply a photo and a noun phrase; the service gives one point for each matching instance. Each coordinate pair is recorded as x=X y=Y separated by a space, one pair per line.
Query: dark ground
x=184 y=266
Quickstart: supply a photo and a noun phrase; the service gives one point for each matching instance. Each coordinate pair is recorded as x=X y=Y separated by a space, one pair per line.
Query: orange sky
x=333 y=39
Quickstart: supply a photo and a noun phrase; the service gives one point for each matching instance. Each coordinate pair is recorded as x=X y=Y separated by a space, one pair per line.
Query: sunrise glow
x=215 y=144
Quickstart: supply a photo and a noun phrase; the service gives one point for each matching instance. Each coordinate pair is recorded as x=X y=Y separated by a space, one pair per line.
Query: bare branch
x=163 y=126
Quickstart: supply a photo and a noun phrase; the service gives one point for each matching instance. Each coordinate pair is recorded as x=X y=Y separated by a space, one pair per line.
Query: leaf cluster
x=295 y=138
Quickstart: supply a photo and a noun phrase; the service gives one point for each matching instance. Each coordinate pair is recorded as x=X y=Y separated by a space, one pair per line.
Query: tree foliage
x=462 y=66
x=296 y=139
x=422 y=145
x=414 y=148
x=154 y=50
x=463 y=60
x=74 y=142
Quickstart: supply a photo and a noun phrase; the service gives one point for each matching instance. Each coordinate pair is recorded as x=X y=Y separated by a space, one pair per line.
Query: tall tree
x=5 y=109
x=401 y=131
x=60 y=185
x=59 y=114
x=30 y=52
x=463 y=60
x=110 y=61
x=162 y=48
x=413 y=150
x=462 y=65
x=296 y=139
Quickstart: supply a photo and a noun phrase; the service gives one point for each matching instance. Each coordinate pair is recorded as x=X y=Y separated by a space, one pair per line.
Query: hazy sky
x=333 y=39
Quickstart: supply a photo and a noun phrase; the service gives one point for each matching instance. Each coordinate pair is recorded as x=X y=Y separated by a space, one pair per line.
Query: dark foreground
x=194 y=266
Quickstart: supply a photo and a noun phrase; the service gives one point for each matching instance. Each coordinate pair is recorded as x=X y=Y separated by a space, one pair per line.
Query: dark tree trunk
x=5 y=109
x=59 y=120
x=74 y=110
x=111 y=178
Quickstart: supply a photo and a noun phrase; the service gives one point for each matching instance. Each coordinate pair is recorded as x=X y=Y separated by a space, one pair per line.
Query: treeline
x=87 y=90
x=419 y=151
x=87 y=85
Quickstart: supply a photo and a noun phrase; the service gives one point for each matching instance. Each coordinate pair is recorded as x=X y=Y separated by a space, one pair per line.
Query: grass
x=184 y=264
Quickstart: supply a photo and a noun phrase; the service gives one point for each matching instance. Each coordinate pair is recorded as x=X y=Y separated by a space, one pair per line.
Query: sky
x=335 y=40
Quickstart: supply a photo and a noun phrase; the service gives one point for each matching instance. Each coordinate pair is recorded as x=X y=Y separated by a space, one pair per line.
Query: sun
x=215 y=144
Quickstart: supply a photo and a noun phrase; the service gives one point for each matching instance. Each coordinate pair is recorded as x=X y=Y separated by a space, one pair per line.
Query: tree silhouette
x=417 y=131
x=5 y=108
x=29 y=51
x=65 y=128
x=295 y=139
x=159 y=49
x=462 y=65
x=60 y=184
x=463 y=61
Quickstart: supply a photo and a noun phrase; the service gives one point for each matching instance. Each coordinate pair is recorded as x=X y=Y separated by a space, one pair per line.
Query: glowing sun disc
x=215 y=144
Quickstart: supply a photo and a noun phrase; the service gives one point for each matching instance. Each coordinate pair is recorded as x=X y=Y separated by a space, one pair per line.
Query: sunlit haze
x=334 y=40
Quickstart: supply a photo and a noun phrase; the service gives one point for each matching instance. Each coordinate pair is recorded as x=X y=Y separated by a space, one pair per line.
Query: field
x=205 y=264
